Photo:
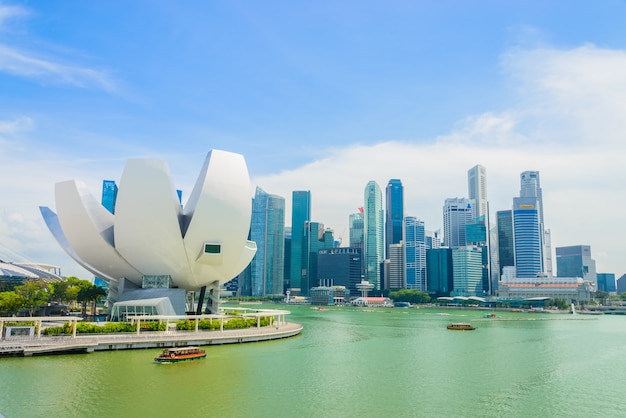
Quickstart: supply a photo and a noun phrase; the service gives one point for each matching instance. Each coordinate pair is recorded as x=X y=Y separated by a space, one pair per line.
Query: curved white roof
x=150 y=234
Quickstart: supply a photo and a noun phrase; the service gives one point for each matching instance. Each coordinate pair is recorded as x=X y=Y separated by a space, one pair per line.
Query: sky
x=321 y=96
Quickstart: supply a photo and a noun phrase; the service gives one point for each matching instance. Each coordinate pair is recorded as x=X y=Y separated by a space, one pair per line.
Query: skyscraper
x=576 y=261
x=439 y=271
x=300 y=215
x=467 y=271
x=316 y=238
x=340 y=267
x=394 y=195
x=506 y=248
x=414 y=253
x=373 y=226
x=457 y=212
x=395 y=275
x=267 y=229
x=355 y=223
x=477 y=190
x=530 y=186
x=528 y=237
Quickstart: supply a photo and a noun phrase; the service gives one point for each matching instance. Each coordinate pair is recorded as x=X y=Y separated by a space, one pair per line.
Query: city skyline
x=321 y=97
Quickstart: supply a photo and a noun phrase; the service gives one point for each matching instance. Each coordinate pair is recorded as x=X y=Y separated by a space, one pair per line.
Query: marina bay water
x=349 y=362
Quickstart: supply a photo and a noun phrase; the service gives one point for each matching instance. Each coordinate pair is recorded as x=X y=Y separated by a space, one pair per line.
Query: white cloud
x=8 y=12
x=25 y=64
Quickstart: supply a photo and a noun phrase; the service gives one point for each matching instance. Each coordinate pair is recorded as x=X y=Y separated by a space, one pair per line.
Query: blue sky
x=323 y=96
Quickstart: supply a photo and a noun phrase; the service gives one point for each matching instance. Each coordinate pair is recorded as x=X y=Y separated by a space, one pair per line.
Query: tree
x=10 y=303
x=408 y=295
x=34 y=293
x=92 y=294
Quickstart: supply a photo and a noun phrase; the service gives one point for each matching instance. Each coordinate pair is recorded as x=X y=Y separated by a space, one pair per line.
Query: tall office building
x=433 y=239
x=316 y=238
x=394 y=275
x=439 y=271
x=530 y=186
x=394 y=195
x=467 y=271
x=374 y=233
x=300 y=215
x=576 y=261
x=287 y=261
x=109 y=195
x=267 y=229
x=621 y=284
x=340 y=266
x=457 y=212
x=355 y=223
x=414 y=254
x=477 y=190
x=506 y=248
x=606 y=282
x=528 y=237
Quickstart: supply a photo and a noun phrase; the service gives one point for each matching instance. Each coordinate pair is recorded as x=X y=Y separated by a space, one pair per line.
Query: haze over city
x=321 y=97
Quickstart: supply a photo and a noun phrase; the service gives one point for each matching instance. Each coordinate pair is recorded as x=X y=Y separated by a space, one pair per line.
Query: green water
x=349 y=363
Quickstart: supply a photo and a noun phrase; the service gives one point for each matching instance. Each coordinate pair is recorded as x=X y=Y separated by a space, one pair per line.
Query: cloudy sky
x=321 y=96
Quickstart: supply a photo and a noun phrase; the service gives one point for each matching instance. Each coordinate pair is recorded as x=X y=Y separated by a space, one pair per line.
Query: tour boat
x=175 y=355
x=461 y=326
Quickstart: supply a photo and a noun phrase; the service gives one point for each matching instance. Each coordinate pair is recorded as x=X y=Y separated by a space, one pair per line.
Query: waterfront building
x=394 y=267
x=528 y=234
x=300 y=215
x=576 y=261
x=394 y=195
x=606 y=282
x=158 y=245
x=414 y=254
x=477 y=191
x=572 y=289
x=287 y=260
x=439 y=271
x=621 y=284
x=506 y=248
x=329 y=295
x=340 y=266
x=109 y=195
x=530 y=186
x=467 y=271
x=316 y=238
x=374 y=233
x=457 y=212
x=476 y=234
x=267 y=229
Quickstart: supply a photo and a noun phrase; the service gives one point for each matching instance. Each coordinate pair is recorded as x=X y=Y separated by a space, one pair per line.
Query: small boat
x=461 y=326
x=489 y=315
x=175 y=355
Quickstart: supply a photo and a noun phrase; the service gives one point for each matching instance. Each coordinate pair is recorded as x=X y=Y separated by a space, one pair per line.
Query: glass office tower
x=414 y=253
x=394 y=195
x=267 y=229
x=528 y=235
x=300 y=215
x=374 y=235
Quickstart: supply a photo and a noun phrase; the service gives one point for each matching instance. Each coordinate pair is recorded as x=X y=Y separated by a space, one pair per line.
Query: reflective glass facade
x=528 y=236
x=109 y=195
x=394 y=195
x=300 y=215
x=414 y=253
x=374 y=233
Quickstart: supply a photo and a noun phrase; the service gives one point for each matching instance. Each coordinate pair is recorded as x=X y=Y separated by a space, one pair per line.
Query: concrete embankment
x=105 y=342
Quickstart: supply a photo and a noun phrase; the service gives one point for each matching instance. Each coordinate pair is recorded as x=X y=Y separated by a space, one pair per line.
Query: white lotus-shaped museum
x=151 y=234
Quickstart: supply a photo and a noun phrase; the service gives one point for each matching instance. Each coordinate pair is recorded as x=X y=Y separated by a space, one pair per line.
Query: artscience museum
x=153 y=252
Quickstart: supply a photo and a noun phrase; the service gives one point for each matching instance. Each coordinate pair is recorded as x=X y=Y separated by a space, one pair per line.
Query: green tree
x=92 y=294
x=409 y=295
x=34 y=293
x=10 y=303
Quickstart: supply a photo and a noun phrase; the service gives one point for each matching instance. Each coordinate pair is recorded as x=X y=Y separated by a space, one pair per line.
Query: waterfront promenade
x=87 y=343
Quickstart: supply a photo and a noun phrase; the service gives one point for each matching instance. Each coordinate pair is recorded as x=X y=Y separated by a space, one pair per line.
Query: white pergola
x=39 y=320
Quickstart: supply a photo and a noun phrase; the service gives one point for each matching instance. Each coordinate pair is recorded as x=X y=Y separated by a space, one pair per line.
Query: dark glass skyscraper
x=300 y=215
x=506 y=250
x=394 y=195
x=439 y=271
